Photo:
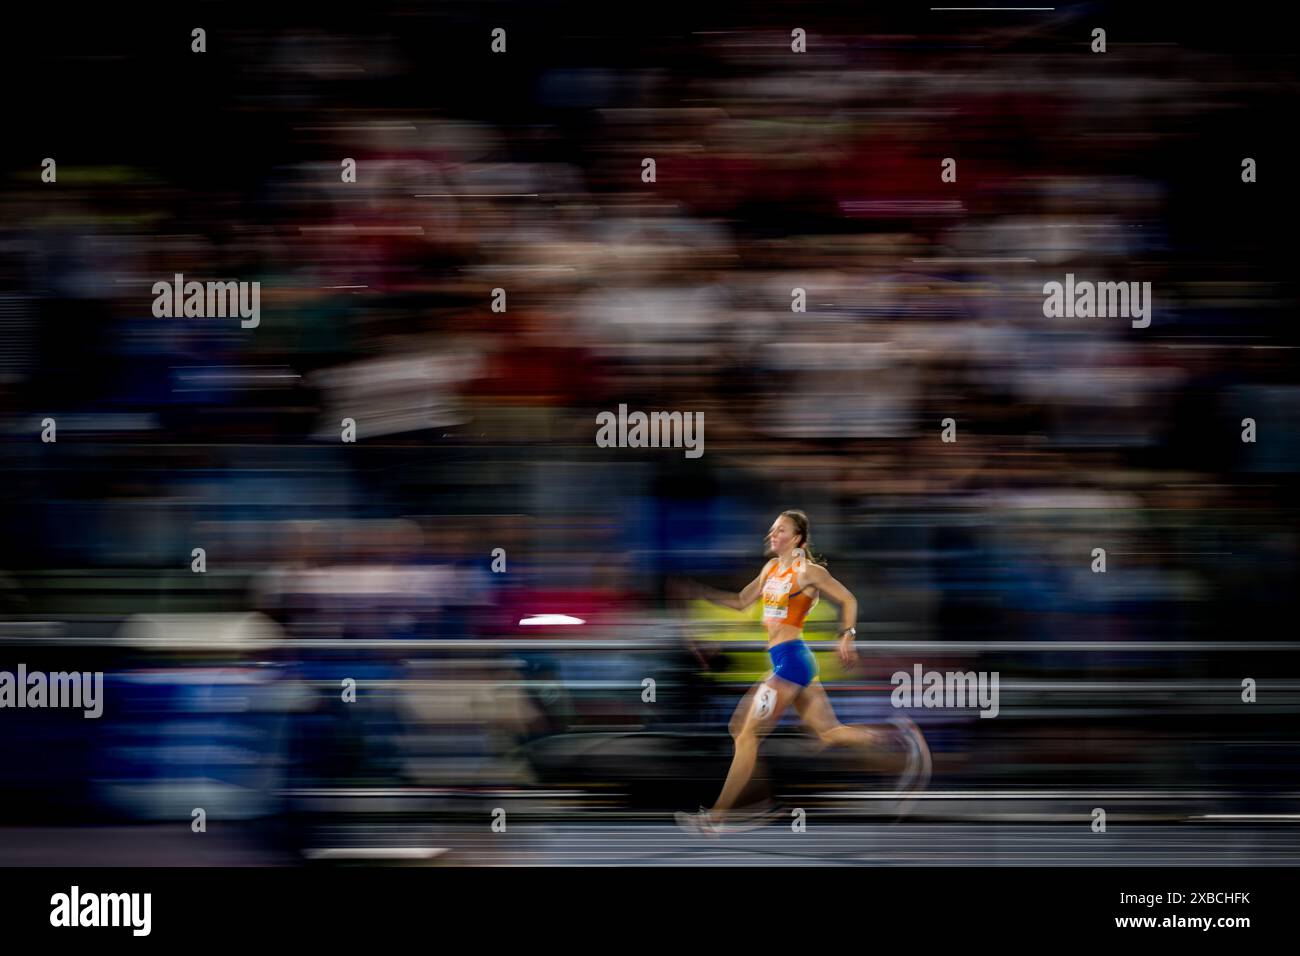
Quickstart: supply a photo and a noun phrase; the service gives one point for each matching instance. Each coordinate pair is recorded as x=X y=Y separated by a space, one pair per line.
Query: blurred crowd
x=774 y=172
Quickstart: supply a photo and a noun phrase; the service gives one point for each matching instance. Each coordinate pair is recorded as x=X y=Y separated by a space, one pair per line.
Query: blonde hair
x=802 y=527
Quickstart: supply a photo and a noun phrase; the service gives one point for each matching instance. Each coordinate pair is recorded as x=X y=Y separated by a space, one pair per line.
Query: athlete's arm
x=737 y=602
x=821 y=579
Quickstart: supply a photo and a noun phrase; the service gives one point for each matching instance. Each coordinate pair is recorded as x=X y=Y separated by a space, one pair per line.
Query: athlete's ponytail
x=801 y=526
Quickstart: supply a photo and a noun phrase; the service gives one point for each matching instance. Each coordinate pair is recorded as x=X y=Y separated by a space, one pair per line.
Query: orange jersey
x=779 y=605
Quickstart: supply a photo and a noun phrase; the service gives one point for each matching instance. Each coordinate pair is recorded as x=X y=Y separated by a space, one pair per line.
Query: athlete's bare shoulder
x=812 y=575
x=815 y=571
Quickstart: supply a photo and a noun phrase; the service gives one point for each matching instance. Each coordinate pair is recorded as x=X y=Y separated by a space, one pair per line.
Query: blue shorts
x=793 y=661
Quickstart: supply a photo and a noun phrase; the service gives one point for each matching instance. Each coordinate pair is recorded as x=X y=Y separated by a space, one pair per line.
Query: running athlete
x=790 y=585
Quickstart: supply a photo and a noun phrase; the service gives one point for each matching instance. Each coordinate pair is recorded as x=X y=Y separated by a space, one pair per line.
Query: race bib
x=776 y=598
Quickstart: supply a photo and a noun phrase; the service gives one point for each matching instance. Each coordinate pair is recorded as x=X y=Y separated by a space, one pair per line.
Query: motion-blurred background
x=373 y=561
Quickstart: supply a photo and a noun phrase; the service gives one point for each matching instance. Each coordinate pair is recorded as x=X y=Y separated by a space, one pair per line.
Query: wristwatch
x=849 y=630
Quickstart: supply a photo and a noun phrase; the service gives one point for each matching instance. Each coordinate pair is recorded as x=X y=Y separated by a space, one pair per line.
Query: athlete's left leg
x=772 y=696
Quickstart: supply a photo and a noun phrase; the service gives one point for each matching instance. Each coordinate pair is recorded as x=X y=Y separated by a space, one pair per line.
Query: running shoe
x=916 y=777
x=698 y=823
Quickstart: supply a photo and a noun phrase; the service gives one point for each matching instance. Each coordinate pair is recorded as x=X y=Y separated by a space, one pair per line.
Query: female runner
x=790 y=585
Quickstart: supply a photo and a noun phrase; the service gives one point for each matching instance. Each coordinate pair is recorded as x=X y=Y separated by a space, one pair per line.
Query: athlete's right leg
x=814 y=709
x=877 y=743
x=901 y=750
